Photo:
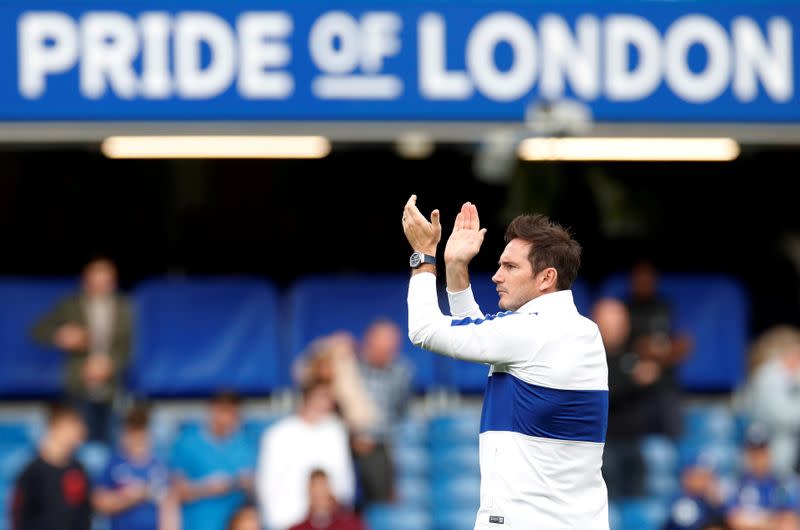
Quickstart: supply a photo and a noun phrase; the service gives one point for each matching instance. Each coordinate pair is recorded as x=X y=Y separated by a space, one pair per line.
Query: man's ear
x=548 y=279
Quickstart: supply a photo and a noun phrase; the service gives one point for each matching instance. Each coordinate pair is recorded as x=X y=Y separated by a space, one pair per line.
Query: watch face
x=416 y=260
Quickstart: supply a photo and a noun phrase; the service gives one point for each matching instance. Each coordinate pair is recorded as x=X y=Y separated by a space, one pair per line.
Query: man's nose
x=497 y=278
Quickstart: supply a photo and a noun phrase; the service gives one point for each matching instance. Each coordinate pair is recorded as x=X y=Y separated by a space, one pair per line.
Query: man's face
x=757 y=461
x=100 y=278
x=319 y=402
x=611 y=317
x=223 y=418
x=381 y=344
x=515 y=281
x=320 y=496
x=644 y=280
x=71 y=431
x=136 y=442
x=697 y=480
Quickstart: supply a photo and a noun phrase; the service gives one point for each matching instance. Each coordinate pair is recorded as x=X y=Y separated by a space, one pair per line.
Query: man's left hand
x=422 y=235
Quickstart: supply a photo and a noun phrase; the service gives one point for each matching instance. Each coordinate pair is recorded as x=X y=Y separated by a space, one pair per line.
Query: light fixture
x=630 y=149
x=415 y=145
x=216 y=147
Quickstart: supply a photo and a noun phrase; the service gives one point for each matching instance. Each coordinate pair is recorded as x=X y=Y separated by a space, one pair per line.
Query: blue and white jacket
x=545 y=410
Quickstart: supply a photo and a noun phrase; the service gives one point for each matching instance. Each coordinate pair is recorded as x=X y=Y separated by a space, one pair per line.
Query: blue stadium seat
x=664 y=486
x=458 y=428
x=714 y=310
x=723 y=458
x=17 y=434
x=710 y=423
x=254 y=427
x=320 y=305
x=13 y=460
x=410 y=432
x=643 y=514
x=456 y=493
x=94 y=456
x=26 y=369
x=397 y=517
x=6 y=491
x=410 y=461
x=471 y=377
x=413 y=491
x=659 y=453
x=458 y=519
x=614 y=516
x=197 y=336
x=459 y=459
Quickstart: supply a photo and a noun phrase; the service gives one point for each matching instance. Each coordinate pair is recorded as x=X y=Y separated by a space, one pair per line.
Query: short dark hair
x=317 y=473
x=552 y=245
x=137 y=418
x=226 y=397
x=58 y=411
x=311 y=386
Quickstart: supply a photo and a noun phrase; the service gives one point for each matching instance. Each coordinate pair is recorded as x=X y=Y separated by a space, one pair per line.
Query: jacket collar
x=557 y=302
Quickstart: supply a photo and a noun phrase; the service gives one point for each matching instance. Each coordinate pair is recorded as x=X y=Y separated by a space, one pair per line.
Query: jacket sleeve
x=123 y=333
x=463 y=304
x=22 y=502
x=62 y=313
x=504 y=338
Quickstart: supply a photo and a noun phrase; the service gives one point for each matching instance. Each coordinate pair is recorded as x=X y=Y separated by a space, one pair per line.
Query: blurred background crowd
x=363 y=437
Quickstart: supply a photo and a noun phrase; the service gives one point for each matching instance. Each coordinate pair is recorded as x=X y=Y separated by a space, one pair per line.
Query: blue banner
x=424 y=61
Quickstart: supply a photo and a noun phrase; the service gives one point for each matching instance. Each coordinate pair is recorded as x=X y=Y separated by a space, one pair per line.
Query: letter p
x=47 y=43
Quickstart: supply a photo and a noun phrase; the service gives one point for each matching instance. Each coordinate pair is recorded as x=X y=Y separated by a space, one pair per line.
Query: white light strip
x=216 y=147
x=630 y=149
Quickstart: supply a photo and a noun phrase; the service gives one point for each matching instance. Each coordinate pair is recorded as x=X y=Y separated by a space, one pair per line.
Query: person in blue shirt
x=212 y=467
x=761 y=500
x=698 y=505
x=133 y=487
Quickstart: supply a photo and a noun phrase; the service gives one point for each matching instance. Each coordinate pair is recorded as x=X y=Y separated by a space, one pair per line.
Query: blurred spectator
x=133 y=487
x=332 y=360
x=388 y=381
x=699 y=504
x=770 y=344
x=761 y=501
x=94 y=327
x=630 y=379
x=52 y=492
x=324 y=513
x=772 y=398
x=213 y=467
x=246 y=518
x=314 y=438
x=653 y=337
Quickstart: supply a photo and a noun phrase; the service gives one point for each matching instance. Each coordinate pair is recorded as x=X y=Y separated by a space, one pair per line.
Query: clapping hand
x=422 y=235
x=467 y=237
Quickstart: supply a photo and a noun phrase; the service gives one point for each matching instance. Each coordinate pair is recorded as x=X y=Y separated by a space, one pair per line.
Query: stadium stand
x=215 y=333
x=27 y=369
x=233 y=326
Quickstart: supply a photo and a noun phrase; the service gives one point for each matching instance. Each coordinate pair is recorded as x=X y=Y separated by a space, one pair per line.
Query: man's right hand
x=467 y=237
x=71 y=337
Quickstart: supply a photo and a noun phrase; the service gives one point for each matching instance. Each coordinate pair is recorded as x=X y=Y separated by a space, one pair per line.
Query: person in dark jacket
x=630 y=380
x=52 y=492
x=93 y=327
